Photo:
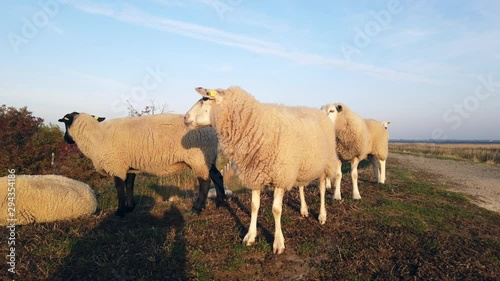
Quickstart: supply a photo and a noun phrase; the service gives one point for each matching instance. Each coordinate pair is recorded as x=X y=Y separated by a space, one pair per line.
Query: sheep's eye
x=331 y=111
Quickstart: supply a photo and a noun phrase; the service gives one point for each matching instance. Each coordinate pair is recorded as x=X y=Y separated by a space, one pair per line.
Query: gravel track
x=480 y=181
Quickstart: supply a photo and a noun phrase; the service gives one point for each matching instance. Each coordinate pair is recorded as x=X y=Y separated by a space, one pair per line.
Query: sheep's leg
x=374 y=162
x=120 y=186
x=338 y=178
x=279 y=240
x=218 y=180
x=129 y=189
x=252 y=229
x=328 y=183
x=303 y=205
x=201 y=200
x=382 y=171
x=322 y=208
x=354 y=177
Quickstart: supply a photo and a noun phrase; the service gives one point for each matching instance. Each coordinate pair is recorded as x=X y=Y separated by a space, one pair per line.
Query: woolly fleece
x=46 y=198
x=159 y=144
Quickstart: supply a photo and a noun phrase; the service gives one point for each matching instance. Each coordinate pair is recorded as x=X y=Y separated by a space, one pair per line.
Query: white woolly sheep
x=268 y=144
x=380 y=147
x=47 y=198
x=353 y=142
x=158 y=144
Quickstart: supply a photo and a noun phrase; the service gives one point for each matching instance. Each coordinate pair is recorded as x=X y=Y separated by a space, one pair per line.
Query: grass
x=480 y=153
x=410 y=228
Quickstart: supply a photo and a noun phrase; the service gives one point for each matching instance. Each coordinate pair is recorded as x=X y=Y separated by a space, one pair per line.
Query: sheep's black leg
x=218 y=180
x=129 y=189
x=201 y=199
x=120 y=186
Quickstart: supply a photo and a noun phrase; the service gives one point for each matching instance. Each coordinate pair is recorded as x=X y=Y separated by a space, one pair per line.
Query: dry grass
x=404 y=230
x=480 y=153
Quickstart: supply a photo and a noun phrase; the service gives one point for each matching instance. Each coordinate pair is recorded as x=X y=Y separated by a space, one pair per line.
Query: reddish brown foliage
x=28 y=146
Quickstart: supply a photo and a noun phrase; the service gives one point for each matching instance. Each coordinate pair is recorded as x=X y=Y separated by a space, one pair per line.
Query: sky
x=432 y=68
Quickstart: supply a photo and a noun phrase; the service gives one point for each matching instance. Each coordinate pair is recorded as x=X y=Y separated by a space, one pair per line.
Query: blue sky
x=430 y=67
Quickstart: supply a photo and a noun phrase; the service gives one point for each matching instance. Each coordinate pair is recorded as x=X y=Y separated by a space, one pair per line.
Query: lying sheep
x=353 y=142
x=268 y=144
x=47 y=198
x=158 y=144
x=380 y=147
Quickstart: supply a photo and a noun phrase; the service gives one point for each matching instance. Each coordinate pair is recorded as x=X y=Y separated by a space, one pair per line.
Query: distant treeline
x=446 y=141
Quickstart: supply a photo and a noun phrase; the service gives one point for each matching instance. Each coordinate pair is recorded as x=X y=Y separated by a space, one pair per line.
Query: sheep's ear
x=68 y=118
x=211 y=94
x=99 y=119
x=207 y=93
x=339 y=107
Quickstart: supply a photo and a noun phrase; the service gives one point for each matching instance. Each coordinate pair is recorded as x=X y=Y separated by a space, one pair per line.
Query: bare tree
x=151 y=109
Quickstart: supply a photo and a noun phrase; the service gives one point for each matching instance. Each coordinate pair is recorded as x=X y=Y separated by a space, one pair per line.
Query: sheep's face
x=386 y=124
x=200 y=114
x=68 y=120
x=332 y=110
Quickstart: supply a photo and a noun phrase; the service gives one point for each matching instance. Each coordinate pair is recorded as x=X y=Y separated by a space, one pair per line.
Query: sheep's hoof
x=248 y=241
x=221 y=203
x=196 y=211
x=278 y=249
x=304 y=214
x=120 y=213
x=358 y=197
x=322 y=220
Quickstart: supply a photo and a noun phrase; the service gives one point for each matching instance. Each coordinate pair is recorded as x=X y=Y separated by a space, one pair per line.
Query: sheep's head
x=200 y=114
x=332 y=110
x=68 y=120
x=386 y=124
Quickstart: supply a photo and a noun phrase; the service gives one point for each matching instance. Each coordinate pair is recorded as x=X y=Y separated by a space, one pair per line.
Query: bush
x=31 y=147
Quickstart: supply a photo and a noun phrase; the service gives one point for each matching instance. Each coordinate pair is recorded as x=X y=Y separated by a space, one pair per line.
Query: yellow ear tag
x=66 y=118
x=96 y=118
x=212 y=93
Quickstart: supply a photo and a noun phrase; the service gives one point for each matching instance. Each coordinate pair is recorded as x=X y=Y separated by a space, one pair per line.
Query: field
x=410 y=228
x=482 y=153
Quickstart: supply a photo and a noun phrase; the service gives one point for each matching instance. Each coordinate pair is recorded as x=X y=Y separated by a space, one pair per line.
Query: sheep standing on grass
x=44 y=198
x=159 y=144
x=380 y=147
x=353 y=142
x=268 y=144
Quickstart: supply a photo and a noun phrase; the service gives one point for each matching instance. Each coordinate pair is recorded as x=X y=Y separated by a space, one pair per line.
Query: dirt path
x=480 y=181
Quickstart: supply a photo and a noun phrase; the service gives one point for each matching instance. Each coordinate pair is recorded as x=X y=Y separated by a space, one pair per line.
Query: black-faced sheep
x=47 y=198
x=158 y=144
x=268 y=144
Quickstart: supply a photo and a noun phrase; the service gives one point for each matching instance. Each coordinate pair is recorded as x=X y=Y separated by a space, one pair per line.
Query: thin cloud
x=132 y=15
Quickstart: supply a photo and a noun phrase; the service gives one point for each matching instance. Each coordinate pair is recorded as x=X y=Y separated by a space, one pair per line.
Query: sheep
x=27 y=199
x=157 y=144
x=353 y=142
x=379 y=151
x=268 y=144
